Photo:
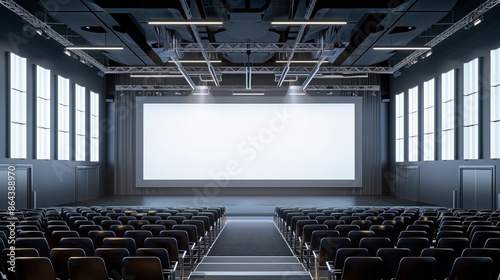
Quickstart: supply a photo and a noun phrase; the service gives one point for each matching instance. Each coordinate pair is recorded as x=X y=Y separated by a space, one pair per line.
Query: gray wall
x=438 y=180
x=54 y=181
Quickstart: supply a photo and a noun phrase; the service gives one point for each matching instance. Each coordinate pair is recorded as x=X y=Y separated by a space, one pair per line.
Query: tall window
x=413 y=124
x=429 y=150
x=79 y=123
x=42 y=113
x=62 y=118
x=471 y=109
x=94 y=126
x=495 y=104
x=400 y=127
x=448 y=115
x=18 y=144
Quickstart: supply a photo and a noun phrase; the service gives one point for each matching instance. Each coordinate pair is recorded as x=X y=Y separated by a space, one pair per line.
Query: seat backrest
x=479 y=238
x=319 y=234
x=120 y=242
x=344 y=253
x=458 y=244
x=19 y=252
x=168 y=224
x=492 y=253
x=160 y=253
x=373 y=244
x=191 y=230
x=415 y=244
x=444 y=258
x=139 y=236
x=328 y=248
x=39 y=268
x=156 y=228
x=98 y=235
x=38 y=243
x=168 y=243
x=345 y=229
x=85 y=268
x=391 y=258
x=362 y=268
x=309 y=229
x=59 y=258
x=417 y=268
x=142 y=268
x=84 y=243
x=180 y=235
x=357 y=235
x=471 y=268
x=112 y=258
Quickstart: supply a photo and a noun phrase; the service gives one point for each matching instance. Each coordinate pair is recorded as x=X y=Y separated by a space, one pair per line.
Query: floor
x=250 y=205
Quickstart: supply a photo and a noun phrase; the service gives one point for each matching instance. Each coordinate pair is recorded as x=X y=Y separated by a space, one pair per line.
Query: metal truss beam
x=37 y=23
x=459 y=25
x=229 y=88
x=344 y=87
x=244 y=47
x=299 y=70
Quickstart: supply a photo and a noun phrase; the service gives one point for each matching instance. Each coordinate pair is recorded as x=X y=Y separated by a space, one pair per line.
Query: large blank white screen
x=249 y=141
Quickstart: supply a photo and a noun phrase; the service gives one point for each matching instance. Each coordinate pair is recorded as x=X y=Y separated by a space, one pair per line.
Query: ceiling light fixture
x=343 y=76
x=248 y=93
x=185 y=22
x=399 y=48
x=300 y=61
x=201 y=90
x=307 y=22
x=156 y=76
x=197 y=61
x=296 y=90
x=478 y=20
x=95 y=48
x=66 y=52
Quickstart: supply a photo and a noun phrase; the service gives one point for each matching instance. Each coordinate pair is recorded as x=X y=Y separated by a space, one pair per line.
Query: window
x=94 y=126
x=429 y=150
x=400 y=127
x=62 y=118
x=79 y=123
x=42 y=113
x=18 y=144
x=471 y=109
x=448 y=115
x=413 y=124
x=495 y=104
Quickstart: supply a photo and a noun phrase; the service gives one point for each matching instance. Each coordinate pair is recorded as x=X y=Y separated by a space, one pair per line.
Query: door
x=18 y=176
x=477 y=187
x=408 y=182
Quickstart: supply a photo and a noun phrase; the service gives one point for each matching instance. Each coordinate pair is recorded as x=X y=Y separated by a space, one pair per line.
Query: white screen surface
x=249 y=141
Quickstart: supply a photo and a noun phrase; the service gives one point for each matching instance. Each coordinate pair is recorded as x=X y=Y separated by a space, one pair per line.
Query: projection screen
x=249 y=142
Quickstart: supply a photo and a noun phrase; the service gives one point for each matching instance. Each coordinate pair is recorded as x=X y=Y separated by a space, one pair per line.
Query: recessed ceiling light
x=400 y=48
x=96 y=48
x=185 y=22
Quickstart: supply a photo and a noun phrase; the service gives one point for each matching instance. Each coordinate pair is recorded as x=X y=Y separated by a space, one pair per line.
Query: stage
x=250 y=205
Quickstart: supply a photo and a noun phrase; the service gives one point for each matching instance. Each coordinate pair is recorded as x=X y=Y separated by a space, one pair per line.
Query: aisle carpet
x=250 y=238
x=250 y=249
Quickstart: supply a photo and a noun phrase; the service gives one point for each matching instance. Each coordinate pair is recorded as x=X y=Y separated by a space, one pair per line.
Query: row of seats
x=112 y=234
x=318 y=233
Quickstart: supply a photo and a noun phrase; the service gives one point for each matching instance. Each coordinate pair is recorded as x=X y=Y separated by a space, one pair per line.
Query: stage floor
x=250 y=205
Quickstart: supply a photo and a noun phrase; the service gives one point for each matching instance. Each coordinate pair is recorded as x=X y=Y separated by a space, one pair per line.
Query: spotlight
x=66 y=52
x=83 y=61
x=478 y=20
x=39 y=31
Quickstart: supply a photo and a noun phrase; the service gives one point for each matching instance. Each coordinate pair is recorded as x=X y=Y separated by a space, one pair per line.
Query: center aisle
x=250 y=248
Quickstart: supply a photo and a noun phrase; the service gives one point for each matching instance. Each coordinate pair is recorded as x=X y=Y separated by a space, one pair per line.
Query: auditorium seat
x=390 y=260
x=142 y=268
x=466 y=268
x=120 y=242
x=86 y=268
x=444 y=258
x=84 y=243
x=417 y=268
x=169 y=268
x=59 y=258
x=362 y=268
x=112 y=258
x=336 y=267
x=169 y=244
x=39 y=268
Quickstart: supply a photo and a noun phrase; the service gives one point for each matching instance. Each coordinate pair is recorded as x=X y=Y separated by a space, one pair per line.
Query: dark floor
x=250 y=205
